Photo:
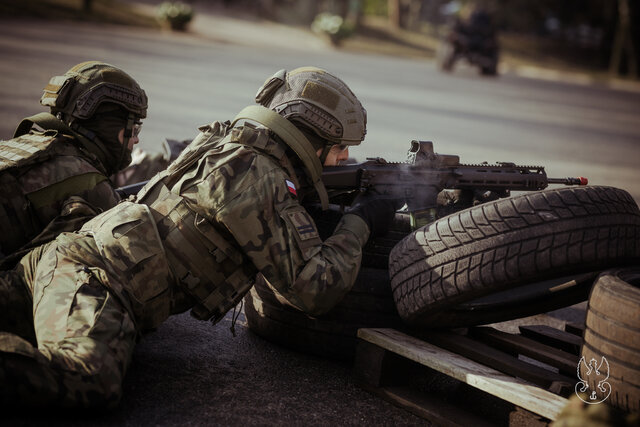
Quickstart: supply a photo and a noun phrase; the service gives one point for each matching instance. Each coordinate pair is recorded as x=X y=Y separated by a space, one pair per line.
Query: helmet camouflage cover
x=81 y=90
x=321 y=101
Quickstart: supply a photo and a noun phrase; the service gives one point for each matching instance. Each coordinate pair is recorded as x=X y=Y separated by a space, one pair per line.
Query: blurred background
x=594 y=35
x=565 y=92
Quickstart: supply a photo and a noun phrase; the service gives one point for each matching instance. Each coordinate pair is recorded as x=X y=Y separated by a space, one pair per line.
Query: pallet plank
x=487 y=379
x=428 y=407
x=575 y=328
x=554 y=337
x=374 y=366
x=564 y=361
x=497 y=359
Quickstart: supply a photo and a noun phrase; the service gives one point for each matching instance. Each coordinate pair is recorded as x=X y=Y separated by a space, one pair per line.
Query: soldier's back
x=44 y=176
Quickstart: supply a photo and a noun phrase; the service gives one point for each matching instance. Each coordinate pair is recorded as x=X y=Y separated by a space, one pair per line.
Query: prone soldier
x=53 y=173
x=229 y=208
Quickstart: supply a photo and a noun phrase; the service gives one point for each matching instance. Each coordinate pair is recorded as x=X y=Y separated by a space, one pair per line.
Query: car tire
x=613 y=332
x=508 y=243
x=369 y=304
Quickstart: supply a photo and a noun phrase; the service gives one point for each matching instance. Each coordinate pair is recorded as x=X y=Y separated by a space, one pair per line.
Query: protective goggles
x=137 y=128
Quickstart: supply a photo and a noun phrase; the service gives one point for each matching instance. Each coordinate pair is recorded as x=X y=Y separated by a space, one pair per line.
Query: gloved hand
x=377 y=210
x=451 y=201
x=480 y=197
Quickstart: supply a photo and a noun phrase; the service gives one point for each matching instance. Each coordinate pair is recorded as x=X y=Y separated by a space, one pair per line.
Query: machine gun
x=422 y=177
x=425 y=174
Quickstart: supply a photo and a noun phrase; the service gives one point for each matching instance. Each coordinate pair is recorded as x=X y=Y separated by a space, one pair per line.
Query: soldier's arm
x=50 y=184
x=281 y=239
x=94 y=189
x=74 y=213
x=76 y=192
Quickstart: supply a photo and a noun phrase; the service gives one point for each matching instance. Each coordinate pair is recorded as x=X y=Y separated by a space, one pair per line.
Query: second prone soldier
x=54 y=171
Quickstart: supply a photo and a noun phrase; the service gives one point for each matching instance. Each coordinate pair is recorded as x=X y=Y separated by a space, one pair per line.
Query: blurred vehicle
x=474 y=40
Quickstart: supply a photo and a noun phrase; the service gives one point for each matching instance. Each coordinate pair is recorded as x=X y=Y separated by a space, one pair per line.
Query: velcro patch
x=303 y=225
x=291 y=187
x=321 y=94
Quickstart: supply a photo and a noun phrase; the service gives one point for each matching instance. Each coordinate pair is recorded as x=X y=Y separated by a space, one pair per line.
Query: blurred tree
x=413 y=14
x=87 y=5
x=341 y=7
x=394 y=12
x=404 y=13
x=375 y=7
x=354 y=12
x=623 y=43
x=601 y=34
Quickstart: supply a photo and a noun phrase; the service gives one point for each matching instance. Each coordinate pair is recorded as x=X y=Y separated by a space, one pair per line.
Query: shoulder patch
x=303 y=224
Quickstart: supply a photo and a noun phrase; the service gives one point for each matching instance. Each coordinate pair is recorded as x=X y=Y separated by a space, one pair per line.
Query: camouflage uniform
x=226 y=210
x=55 y=179
x=122 y=273
x=81 y=335
x=60 y=183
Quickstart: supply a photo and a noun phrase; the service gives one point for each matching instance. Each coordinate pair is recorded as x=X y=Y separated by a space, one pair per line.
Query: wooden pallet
x=527 y=377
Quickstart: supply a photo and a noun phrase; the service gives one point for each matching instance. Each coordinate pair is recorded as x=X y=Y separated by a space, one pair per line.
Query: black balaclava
x=106 y=124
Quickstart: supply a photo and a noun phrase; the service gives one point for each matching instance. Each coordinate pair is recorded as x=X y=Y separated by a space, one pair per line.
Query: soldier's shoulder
x=29 y=149
x=57 y=169
x=29 y=143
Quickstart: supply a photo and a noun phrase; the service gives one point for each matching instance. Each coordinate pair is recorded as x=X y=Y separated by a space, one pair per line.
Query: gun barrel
x=569 y=181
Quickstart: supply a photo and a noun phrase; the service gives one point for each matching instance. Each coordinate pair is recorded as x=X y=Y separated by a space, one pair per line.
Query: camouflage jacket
x=225 y=210
x=48 y=184
x=248 y=186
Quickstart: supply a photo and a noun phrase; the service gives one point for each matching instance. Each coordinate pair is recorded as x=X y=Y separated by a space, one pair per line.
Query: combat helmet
x=316 y=99
x=78 y=93
x=96 y=87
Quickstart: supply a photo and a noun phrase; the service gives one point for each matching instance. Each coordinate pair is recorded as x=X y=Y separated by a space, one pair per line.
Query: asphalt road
x=193 y=79
x=189 y=373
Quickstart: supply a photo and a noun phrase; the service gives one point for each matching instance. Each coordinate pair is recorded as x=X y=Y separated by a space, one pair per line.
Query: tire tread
x=511 y=242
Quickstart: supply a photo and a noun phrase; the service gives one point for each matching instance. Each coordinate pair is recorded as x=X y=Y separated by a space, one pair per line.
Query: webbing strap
x=294 y=139
x=207 y=266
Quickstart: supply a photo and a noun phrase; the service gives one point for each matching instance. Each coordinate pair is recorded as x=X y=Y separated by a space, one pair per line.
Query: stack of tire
x=613 y=334
x=530 y=254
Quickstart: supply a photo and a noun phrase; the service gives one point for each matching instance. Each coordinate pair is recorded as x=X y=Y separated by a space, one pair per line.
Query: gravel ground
x=188 y=372
x=191 y=373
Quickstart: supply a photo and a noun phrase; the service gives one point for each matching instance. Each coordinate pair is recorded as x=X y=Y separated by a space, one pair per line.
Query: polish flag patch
x=291 y=187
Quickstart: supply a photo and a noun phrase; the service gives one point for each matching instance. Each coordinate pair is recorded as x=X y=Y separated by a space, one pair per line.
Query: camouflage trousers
x=66 y=339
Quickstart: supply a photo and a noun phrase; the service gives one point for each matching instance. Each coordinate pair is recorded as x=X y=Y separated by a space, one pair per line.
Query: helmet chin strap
x=325 y=153
x=91 y=136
